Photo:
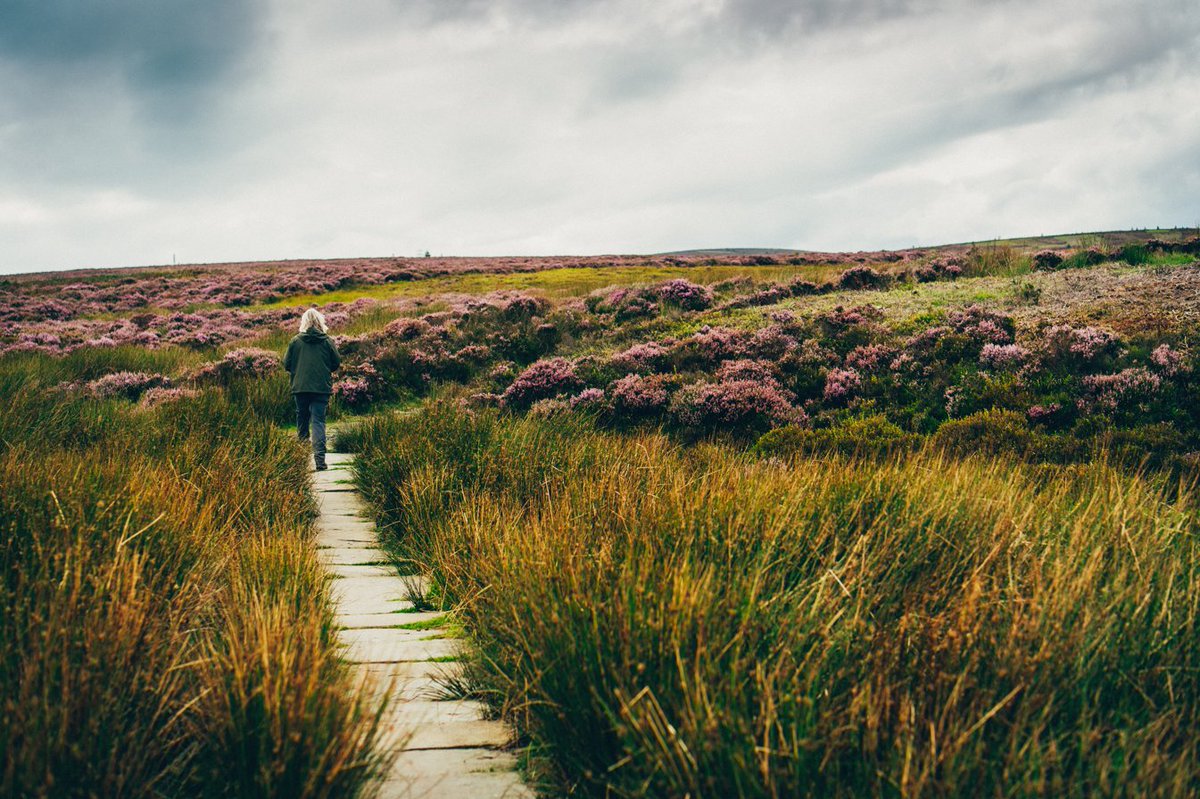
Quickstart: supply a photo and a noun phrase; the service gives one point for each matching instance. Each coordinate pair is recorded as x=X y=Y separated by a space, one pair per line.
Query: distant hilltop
x=1107 y=238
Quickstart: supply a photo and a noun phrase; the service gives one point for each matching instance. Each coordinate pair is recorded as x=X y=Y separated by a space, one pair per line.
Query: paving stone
x=473 y=773
x=364 y=620
x=471 y=734
x=497 y=785
x=344 y=571
x=382 y=645
x=442 y=762
x=343 y=539
x=358 y=595
x=399 y=673
x=342 y=503
x=432 y=710
x=347 y=556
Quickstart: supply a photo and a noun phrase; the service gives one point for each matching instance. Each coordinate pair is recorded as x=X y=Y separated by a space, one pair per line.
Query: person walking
x=311 y=360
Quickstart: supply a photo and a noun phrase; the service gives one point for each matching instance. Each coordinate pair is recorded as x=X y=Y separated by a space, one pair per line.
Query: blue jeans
x=310 y=411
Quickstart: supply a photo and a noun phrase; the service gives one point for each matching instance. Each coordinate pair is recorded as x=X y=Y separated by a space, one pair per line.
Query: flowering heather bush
x=516 y=306
x=1043 y=414
x=982 y=325
x=635 y=395
x=1170 y=362
x=1082 y=344
x=588 y=399
x=771 y=343
x=359 y=386
x=549 y=408
x=243 y=362
x=623 y=303
x=870 y=358
x=863 y=277
x=841 y=385
x=799 y=287
x=955 y=398
x=124 y=385
x=765 y=372
x=474 y=354
x=650 y=356
x=733 y=405
x=407 y=329
x=542 y=380
x=1129 y=388
x=947 y=268
x=353 y=392
x=1047 y=260
x=158 y=395
x=1003 y=356
x=685 y=294
x=711 y=345
x=839 y=319
x=502 y=371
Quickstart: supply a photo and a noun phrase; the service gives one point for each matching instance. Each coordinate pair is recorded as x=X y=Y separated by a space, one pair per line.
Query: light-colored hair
x=313 y=318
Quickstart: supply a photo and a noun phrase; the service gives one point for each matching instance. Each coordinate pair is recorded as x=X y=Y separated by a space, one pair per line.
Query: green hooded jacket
x=311 y=360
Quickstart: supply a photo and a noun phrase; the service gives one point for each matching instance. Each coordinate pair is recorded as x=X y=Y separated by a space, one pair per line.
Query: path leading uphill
x=447 y=749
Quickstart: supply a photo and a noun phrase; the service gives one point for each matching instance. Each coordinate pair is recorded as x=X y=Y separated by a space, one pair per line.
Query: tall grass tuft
x=671 y=622
x=164 y=622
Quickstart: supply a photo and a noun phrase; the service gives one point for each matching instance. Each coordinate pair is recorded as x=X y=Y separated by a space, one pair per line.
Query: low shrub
x=1047 y=260
x=996 y=432
x=734 y=406
x=869 y=436
x=684 y=294
x=863 y=277
x=542 y=380
x=125 y=385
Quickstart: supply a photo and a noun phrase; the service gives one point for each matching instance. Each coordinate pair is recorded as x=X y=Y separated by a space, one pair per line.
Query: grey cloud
x=167 y=45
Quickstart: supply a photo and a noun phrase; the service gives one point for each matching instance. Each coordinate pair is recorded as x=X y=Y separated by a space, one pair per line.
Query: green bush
x=873 y=435
x=998 y=432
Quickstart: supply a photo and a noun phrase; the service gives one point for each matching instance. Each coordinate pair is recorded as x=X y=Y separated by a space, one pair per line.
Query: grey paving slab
x=410 y=670
x=382 y=645
x=341 y=503
x=443 y=762
x=453 y=734
x=495 y=785
x=364 y=620
x=348 y=556
x=346 y=570
x=430 y=710
x=358 y=595
x=344 y=539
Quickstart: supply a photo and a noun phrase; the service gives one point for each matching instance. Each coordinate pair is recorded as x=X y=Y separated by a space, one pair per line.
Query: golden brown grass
x=164 y=621
x=671 y=622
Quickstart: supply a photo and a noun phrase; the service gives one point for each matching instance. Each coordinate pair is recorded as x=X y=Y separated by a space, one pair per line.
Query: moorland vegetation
x=910 y=523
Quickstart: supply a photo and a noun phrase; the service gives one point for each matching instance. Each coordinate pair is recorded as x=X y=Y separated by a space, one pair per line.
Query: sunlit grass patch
x=560 y=283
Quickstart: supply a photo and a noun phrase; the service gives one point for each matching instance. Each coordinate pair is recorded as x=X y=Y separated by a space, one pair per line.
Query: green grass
x=427 y=624
x=667 y=621
x=559 y=283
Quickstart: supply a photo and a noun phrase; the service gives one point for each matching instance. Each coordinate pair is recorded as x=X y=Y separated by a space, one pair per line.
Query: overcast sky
x=135 y=131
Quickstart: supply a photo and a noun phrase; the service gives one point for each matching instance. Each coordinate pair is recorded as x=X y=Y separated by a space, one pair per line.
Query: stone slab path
x=447 y=748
